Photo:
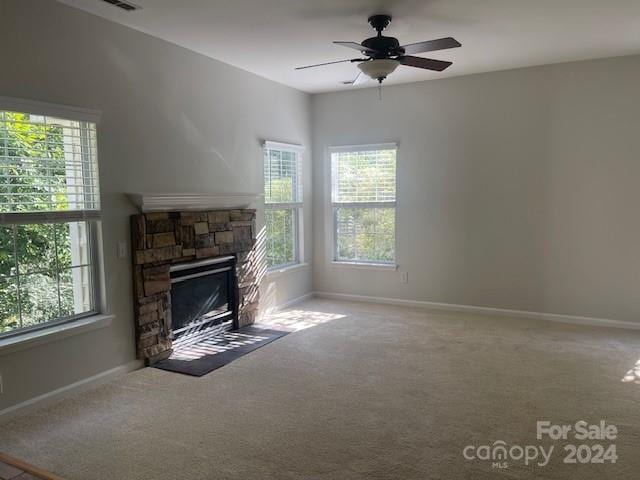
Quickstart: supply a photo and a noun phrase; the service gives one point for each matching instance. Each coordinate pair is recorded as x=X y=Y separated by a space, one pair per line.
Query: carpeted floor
x=365 y=392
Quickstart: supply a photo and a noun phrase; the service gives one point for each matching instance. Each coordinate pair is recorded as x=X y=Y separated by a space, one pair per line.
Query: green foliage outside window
x=364 y=192
x=365 y=234
x=282 y=200
x=280 y=226
x=35 y=259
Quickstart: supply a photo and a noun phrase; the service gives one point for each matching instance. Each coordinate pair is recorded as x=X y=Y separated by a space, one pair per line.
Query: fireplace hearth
x=192 y=270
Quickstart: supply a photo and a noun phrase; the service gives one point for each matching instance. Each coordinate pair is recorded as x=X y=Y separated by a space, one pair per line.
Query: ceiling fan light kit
x=379 y=69
x=385 y=54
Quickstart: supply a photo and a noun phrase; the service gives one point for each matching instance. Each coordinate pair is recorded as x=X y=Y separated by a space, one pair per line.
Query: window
x=49 y=205
x=283 y=204
x=363 y=184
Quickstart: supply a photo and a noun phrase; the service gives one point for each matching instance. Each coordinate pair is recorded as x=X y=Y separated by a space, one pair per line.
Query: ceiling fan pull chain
x=380 y=91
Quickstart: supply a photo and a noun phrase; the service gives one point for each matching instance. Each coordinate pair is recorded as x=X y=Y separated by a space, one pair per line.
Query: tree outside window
x=47 y=171
x=283 y=204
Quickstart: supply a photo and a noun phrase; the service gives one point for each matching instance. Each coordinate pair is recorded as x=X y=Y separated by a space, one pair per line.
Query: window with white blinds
x=283 y=204
x=363 y=181
x=49 y=209
x=47 y=164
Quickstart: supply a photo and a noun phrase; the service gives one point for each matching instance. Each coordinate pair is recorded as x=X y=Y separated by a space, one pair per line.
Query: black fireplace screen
x=203 y=295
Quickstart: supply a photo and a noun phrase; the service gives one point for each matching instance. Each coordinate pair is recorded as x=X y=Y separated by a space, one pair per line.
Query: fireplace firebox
x=203 y=296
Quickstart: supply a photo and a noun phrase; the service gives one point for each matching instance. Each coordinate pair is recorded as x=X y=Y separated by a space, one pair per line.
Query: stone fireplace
x=165 y=242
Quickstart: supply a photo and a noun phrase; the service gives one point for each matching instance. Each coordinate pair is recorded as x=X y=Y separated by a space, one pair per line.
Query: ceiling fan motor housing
x=385 y=45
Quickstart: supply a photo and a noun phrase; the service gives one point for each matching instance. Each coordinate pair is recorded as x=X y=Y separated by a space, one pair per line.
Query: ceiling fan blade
x=357 y=46
x=328 y=63
x=360 y=78
x=431 y=45
x=426 y=63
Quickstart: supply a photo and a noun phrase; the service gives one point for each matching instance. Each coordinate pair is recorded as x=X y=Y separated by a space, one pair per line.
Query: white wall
x=516 y=189
x=172 y=120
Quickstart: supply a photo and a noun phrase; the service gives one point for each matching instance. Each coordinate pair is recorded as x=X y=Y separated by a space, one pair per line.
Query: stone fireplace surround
x=161 y=239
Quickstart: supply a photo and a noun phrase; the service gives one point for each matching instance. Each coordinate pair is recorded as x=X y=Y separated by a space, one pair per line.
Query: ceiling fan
x=385 y=54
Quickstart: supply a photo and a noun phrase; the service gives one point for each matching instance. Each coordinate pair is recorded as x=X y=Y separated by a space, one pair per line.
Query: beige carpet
x=367 y=392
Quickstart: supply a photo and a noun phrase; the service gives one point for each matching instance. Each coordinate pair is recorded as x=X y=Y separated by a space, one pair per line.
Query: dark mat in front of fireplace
x=200 y=354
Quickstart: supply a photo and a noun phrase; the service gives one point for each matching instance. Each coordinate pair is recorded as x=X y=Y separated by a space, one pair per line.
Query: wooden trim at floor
x=26 y=467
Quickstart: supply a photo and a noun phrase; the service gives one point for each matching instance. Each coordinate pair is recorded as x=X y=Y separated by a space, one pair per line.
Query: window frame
x=92 y=217
x=297 y=207
x=331 y=216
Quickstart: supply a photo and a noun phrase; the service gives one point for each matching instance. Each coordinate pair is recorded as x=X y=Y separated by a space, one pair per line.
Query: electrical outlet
x=404 y=277
x=122 y=249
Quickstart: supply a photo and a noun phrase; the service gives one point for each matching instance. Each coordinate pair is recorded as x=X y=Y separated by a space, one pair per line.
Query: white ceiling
x=271 y=37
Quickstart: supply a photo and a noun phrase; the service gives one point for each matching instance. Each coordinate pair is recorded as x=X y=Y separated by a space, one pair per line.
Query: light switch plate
x=122 y=249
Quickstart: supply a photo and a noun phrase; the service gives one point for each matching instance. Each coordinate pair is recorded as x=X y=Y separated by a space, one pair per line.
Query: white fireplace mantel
x=157 y=202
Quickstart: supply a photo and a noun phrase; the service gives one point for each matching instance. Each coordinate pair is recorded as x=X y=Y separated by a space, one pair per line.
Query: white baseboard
x=295 y=301
x=552 y=317
x=289 y=303
x=74 y=388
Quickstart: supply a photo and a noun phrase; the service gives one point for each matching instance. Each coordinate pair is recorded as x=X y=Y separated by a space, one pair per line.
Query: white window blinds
x=49 y=212
x=282 y=180
x=283 y=203
x=47 y=165
x=364 y=175
x=363 y=180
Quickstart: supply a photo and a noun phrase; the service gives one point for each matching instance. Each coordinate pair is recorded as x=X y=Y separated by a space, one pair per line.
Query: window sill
x=276 y=272
x=365 y=266
x=53 y=333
